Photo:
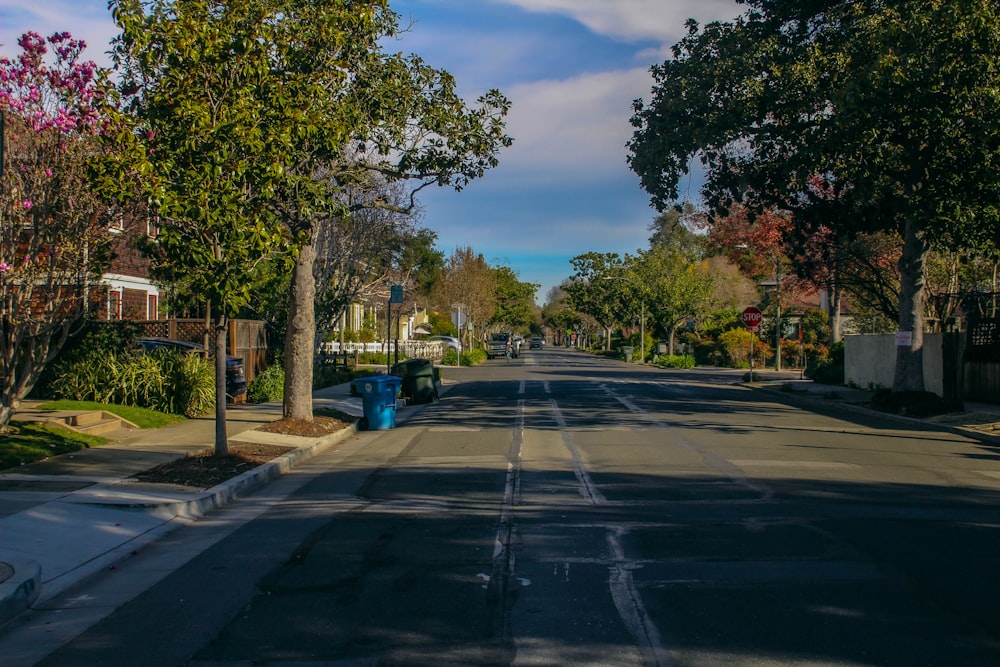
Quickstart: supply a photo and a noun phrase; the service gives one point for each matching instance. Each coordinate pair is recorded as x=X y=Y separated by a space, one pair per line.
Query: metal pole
x=642 y=331
x=388 y=335
x=777 y=327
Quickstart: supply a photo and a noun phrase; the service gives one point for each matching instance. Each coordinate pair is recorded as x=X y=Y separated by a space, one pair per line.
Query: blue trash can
x=378 y=399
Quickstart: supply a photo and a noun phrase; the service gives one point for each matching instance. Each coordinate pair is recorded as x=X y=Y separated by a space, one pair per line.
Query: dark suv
x=236 y=379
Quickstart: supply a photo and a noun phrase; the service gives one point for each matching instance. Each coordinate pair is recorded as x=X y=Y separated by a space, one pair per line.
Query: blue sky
x=571 y=69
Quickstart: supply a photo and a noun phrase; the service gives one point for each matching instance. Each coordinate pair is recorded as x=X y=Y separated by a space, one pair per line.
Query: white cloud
x=661 y=20
x=89 y=20
x=575 y=129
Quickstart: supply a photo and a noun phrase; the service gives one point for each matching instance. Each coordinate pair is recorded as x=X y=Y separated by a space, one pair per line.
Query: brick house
x=129 y=292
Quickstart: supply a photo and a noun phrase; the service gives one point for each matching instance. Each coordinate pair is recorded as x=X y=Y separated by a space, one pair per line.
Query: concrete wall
x=870 y=361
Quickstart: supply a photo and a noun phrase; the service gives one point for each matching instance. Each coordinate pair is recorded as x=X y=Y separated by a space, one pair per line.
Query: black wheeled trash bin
x=418 y=380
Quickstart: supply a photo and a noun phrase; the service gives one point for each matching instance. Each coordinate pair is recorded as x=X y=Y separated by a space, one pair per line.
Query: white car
x=450 y=342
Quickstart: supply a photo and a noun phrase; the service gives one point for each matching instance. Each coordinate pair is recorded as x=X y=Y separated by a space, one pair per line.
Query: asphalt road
x=564 y=510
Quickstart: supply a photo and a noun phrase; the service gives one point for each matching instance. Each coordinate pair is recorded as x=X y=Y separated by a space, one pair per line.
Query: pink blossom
x=27 y=203
x=48 y=172
x=4 y=267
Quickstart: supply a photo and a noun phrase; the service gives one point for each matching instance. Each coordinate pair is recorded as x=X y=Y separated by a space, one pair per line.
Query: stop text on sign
x=752 y=317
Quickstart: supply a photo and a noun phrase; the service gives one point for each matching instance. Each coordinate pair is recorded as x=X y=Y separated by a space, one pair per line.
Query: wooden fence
x=247 y=339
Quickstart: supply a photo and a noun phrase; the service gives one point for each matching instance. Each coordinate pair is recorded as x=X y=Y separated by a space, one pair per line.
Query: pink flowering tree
x=54 y=234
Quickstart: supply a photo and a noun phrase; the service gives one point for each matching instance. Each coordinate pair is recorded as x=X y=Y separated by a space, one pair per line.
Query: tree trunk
x=6 y=412
x=909 y=374
x=300 y=338
x=833 y=312
x=221 y=438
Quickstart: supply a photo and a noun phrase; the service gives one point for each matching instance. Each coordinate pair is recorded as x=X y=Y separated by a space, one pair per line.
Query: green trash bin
x=627 y=351
x=418 y=380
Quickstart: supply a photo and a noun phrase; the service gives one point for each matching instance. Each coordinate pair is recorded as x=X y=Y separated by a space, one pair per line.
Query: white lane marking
x=629 y=604
x=588 y=489
x=626 y=597
x=512 y=487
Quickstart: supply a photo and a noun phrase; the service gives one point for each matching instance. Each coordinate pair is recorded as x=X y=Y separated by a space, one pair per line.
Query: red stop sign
x=751 y=317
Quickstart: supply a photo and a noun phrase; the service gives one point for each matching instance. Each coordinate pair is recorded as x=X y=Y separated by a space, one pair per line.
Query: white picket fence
x=416 y=349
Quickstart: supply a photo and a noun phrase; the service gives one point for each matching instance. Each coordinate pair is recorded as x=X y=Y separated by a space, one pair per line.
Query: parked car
x=536 y=343
x=236 y=379
x=450 y=342
x=498 y=346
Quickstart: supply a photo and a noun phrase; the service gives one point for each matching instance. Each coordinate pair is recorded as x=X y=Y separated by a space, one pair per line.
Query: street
x=563 y=509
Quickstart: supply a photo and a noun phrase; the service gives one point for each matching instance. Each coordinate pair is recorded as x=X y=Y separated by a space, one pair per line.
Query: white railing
x=417 y=349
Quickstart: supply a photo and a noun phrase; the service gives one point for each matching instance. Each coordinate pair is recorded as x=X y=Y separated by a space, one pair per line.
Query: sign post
x=395 y=296
x=751 y=318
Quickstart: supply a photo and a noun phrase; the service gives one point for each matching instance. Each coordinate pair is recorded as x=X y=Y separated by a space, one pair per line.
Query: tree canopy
x=252 y=118
x=861 y=115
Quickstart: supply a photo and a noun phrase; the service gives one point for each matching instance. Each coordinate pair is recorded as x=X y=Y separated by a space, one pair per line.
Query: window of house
x=151 y=307
x=153 y=228
x=114 y=305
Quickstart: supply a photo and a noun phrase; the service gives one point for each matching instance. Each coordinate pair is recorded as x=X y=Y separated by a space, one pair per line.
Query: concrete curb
x=243 y=484
x=823 y=400
x=20 y=590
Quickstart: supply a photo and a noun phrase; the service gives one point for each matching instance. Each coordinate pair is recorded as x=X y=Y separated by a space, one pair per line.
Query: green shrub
x=107 y=338
x=829 y=370
x=373 y=358
x=193 y=380
x=329 y=377
x=674 y=361
x=470 y=358
x=267 y=386
x=707 y=353
x=165 y=381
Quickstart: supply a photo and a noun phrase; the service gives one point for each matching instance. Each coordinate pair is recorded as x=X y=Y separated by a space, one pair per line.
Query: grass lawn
x=26 y=442
x=141 y=417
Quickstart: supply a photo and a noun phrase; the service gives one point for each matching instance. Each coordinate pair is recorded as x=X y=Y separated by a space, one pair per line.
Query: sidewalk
x=66 y=518
x=978 y=420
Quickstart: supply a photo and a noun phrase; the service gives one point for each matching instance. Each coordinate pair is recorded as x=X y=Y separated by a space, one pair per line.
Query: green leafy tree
x=367 y=116
x=863 y=115
x=515 y=300
x=596 y=289
x=208 y=146
x=674 y=287
x=256 y=115
x=422 y=261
